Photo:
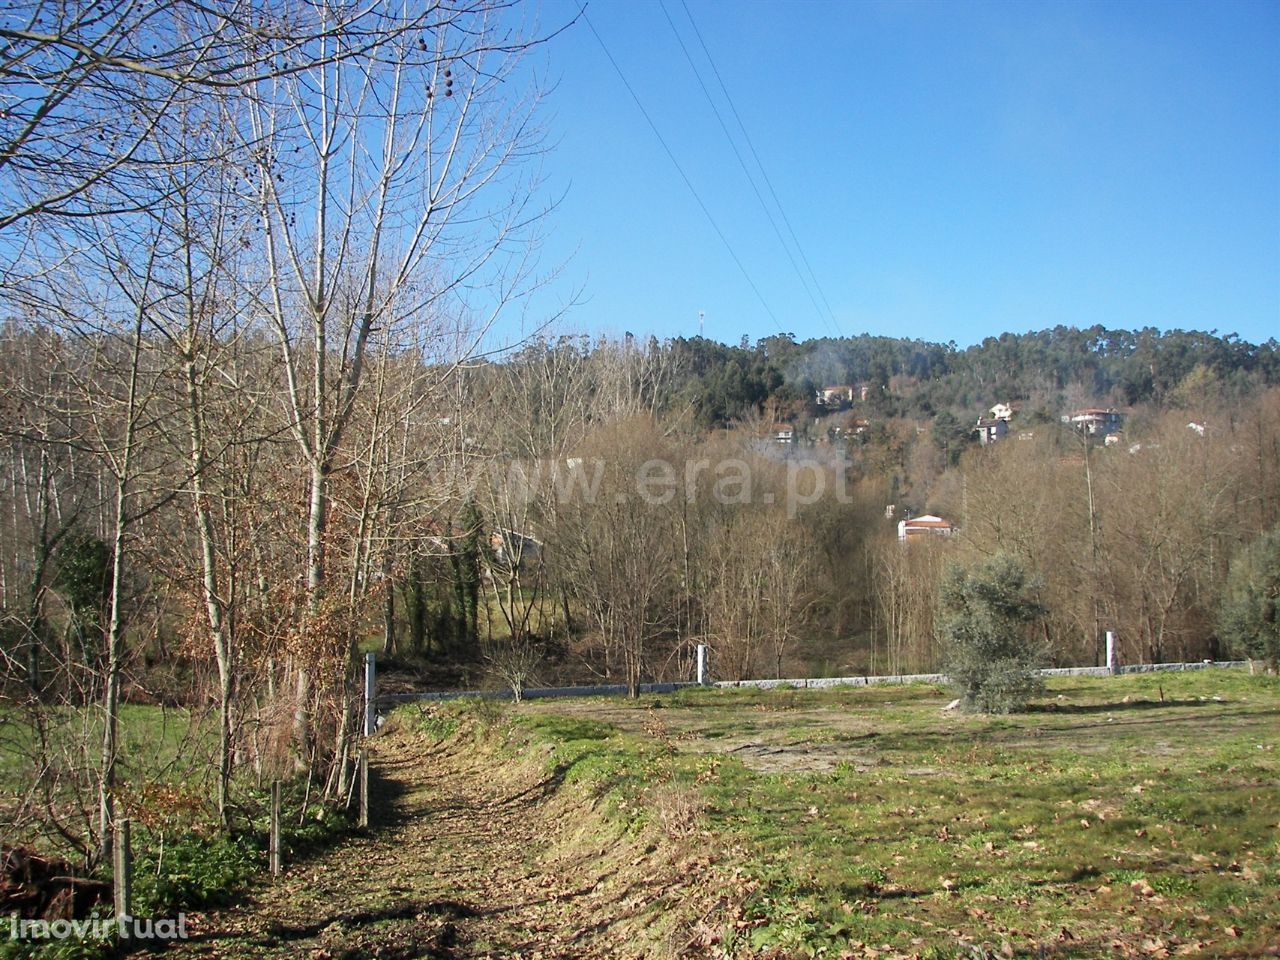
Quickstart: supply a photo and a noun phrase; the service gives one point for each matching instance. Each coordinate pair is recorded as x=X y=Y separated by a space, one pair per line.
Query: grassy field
x=1135 y=816
x=182 y=858
x=158 y=745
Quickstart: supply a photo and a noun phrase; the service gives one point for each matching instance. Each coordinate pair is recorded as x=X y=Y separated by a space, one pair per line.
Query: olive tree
x=989 y=613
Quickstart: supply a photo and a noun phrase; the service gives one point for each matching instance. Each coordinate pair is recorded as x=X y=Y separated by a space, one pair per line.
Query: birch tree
x=85 y=87
x=388 y=191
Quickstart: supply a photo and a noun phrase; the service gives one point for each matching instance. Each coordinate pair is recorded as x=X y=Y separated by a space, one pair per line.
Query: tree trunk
x=317 y=516
x=209 y=585
x=111 y=685
x=388 y=614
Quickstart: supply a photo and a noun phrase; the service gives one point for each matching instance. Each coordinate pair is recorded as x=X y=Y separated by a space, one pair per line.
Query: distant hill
x=899 y=376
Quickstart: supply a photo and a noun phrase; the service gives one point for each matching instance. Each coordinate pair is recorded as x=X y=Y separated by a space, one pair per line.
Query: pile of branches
x=40 y=888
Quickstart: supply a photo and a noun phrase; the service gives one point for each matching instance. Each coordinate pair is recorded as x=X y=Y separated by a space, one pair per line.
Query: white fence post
x=273 y=843
x=702 y=663
x=1113 y=662
x=364 y=786
x=370 y=680
x=122 y=870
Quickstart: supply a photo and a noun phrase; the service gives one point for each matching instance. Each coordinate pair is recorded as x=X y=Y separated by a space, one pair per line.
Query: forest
x=574 y=512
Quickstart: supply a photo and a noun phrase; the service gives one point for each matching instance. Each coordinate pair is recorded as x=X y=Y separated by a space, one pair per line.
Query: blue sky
x=951 y=170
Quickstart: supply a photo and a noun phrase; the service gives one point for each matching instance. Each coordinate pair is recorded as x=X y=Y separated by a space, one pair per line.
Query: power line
x=715 y=108
x=679 y=169
x=764 y=173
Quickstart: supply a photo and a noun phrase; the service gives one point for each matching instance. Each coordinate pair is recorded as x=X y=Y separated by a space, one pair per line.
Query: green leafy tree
x=989 y=612
x=950 y=436
x=84 y=579
x=1249 y=615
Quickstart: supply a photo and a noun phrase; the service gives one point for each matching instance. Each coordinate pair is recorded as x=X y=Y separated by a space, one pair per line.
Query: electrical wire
x=679 y=169
x=715 y=108
x=764 y=173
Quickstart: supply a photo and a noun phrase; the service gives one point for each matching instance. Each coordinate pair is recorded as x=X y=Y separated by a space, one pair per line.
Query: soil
x=467 y=858
x=777 y=742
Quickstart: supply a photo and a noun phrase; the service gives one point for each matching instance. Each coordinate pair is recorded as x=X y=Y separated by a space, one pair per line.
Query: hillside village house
x=836 y=395
x=851 y=427
x=927 y=526
x=784 y=433
x=1096 y=422
x=996 y=426
x=990 y=429
x=842 y=394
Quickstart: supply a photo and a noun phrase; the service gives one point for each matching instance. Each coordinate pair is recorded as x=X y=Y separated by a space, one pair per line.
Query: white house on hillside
x=991 y=429
x=1096 y=422
x=926 y=526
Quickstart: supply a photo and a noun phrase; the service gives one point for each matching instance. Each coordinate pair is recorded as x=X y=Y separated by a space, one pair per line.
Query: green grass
x=154 y=740
x=1139 y=810
x=183 y=860
x=165 y=756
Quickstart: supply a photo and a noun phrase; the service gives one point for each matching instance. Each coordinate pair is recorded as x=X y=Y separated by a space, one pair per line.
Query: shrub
x=191 y=871
x=679 y=810
x=988 y=616
x=1249 y=615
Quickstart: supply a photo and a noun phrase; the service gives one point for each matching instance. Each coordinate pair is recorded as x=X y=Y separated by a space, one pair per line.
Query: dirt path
x=461 y=860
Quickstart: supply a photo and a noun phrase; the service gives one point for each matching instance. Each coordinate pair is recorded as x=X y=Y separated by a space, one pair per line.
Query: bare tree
x=371 y=176
x=788 y=585
x=42 y=483
x=536 y=409
x=907 y=576
x=111 y=396
x=1169 y=526
x=1032 y=499
x=616 y=548
x=731 y=571
x=86 y=87
x=200 y=318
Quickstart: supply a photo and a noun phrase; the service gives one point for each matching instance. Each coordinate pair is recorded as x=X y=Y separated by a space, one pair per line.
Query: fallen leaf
x=1142 y=888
